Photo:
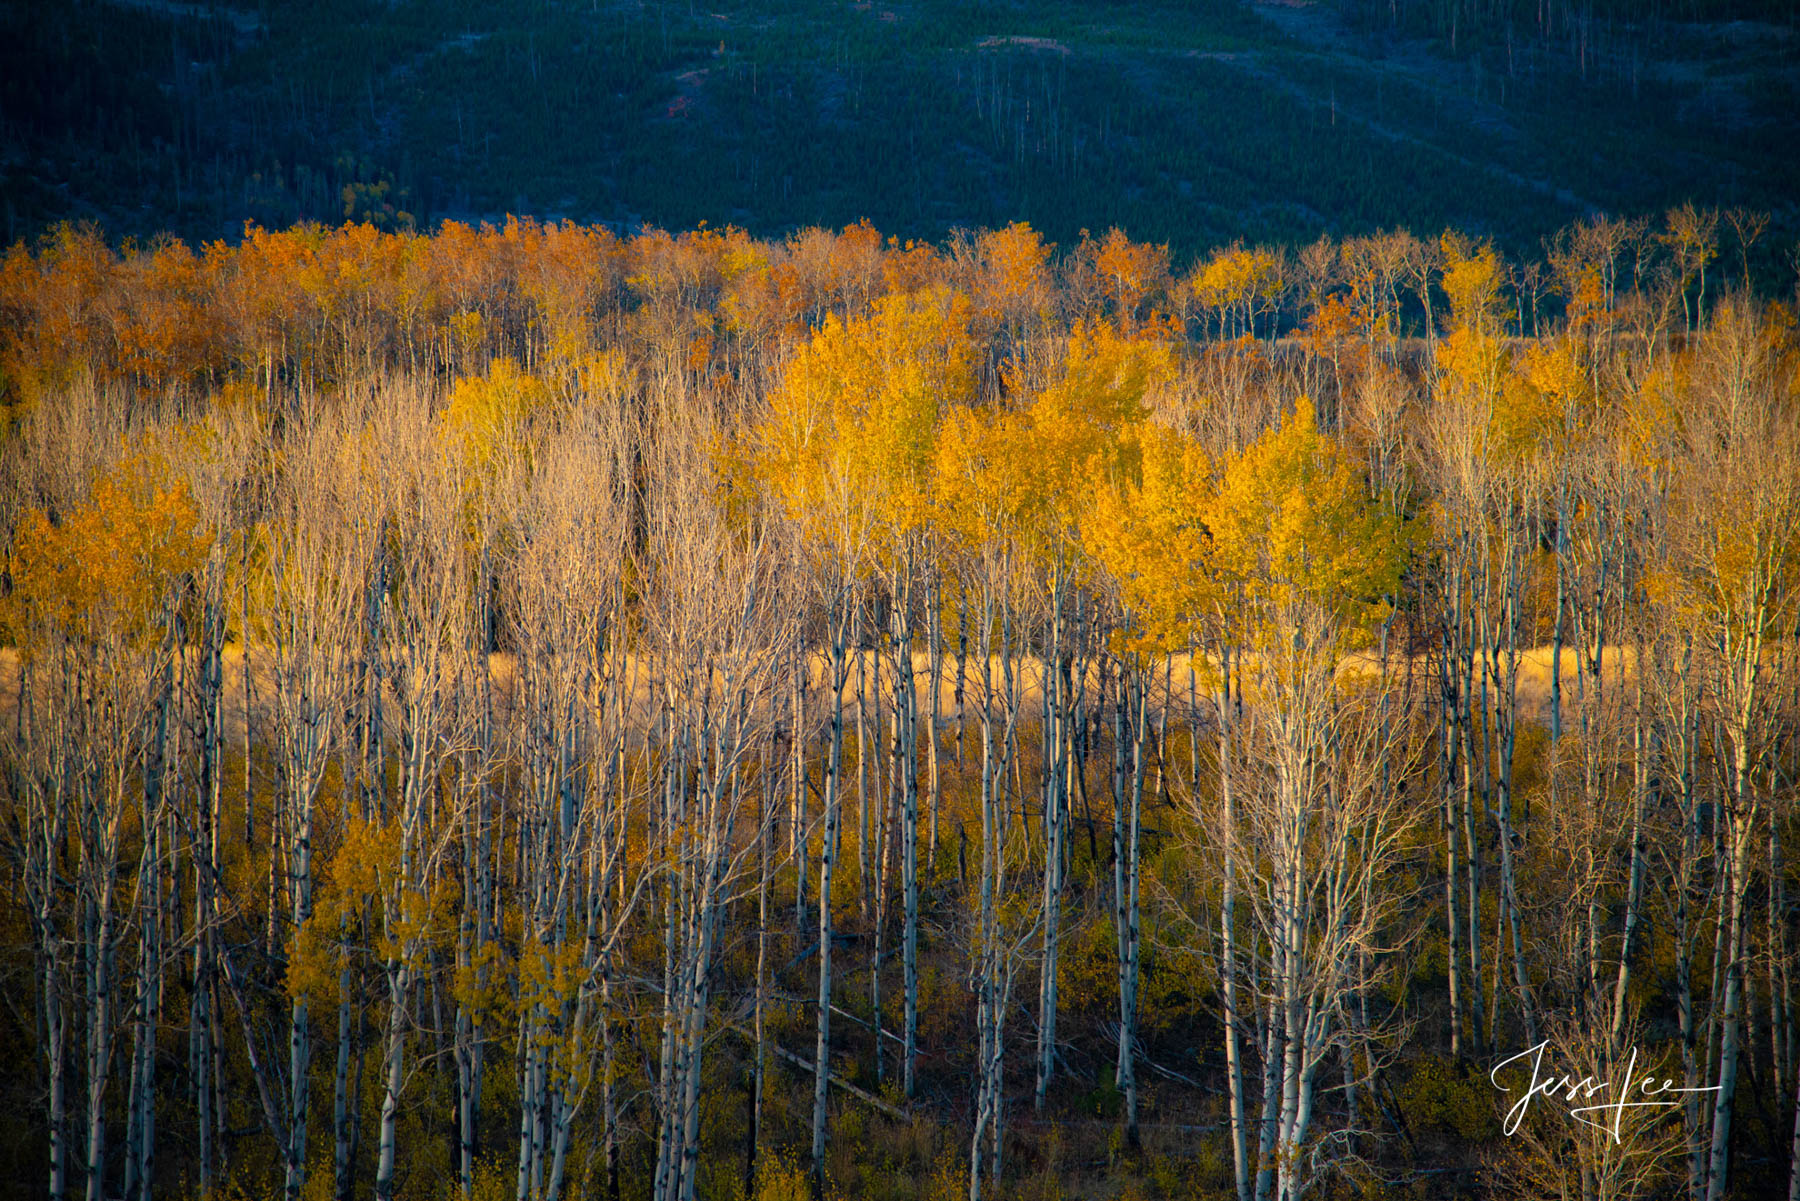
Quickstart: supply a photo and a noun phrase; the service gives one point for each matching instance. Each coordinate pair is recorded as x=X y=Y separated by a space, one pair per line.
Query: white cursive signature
x=1607 y=1115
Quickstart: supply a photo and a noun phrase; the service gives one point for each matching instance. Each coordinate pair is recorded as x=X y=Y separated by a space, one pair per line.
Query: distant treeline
x=314 y=306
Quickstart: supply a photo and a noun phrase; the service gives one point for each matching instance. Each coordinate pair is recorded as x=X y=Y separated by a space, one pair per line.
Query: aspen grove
x=525 y=712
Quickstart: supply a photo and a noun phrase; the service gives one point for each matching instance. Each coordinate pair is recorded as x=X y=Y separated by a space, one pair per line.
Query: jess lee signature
x=1607 y=1114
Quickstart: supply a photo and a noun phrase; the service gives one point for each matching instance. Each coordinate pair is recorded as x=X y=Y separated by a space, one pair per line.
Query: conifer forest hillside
x=997 y=602
x=1186 y=122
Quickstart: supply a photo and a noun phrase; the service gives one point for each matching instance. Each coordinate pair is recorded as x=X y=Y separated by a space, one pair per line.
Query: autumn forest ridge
x=528 y=712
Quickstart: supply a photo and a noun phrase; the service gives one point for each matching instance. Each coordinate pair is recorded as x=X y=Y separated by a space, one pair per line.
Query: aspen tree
x=1483 y=432
x=926 y=368
x=845 y=453
x=566 y=565
x=1083 y=424
x=95 y=597
x=316 y=549
x=716 y=652
x=1148 y=535
x=221 y=451
x=1311 y=564
x=984 y=489
x=425 y=651
x=1735 y=573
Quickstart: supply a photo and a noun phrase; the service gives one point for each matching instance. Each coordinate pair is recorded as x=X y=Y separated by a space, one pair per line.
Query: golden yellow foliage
x=848 y=443
x=1295 y=533
x=110 y=564
x=1555 y=369
x=487 y=414
x=1472 y=279
x=1031 y=474
x=1238 y=282
x=1014 y=279
x=1150 y=536
x=1478 y=371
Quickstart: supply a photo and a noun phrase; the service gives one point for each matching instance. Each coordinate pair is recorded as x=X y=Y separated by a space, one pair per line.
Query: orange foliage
x=1130 y=273
x=106 y=568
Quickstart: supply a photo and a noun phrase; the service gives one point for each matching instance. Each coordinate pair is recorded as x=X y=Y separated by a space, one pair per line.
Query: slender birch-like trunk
x=836 y=677
x=1130 y=726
